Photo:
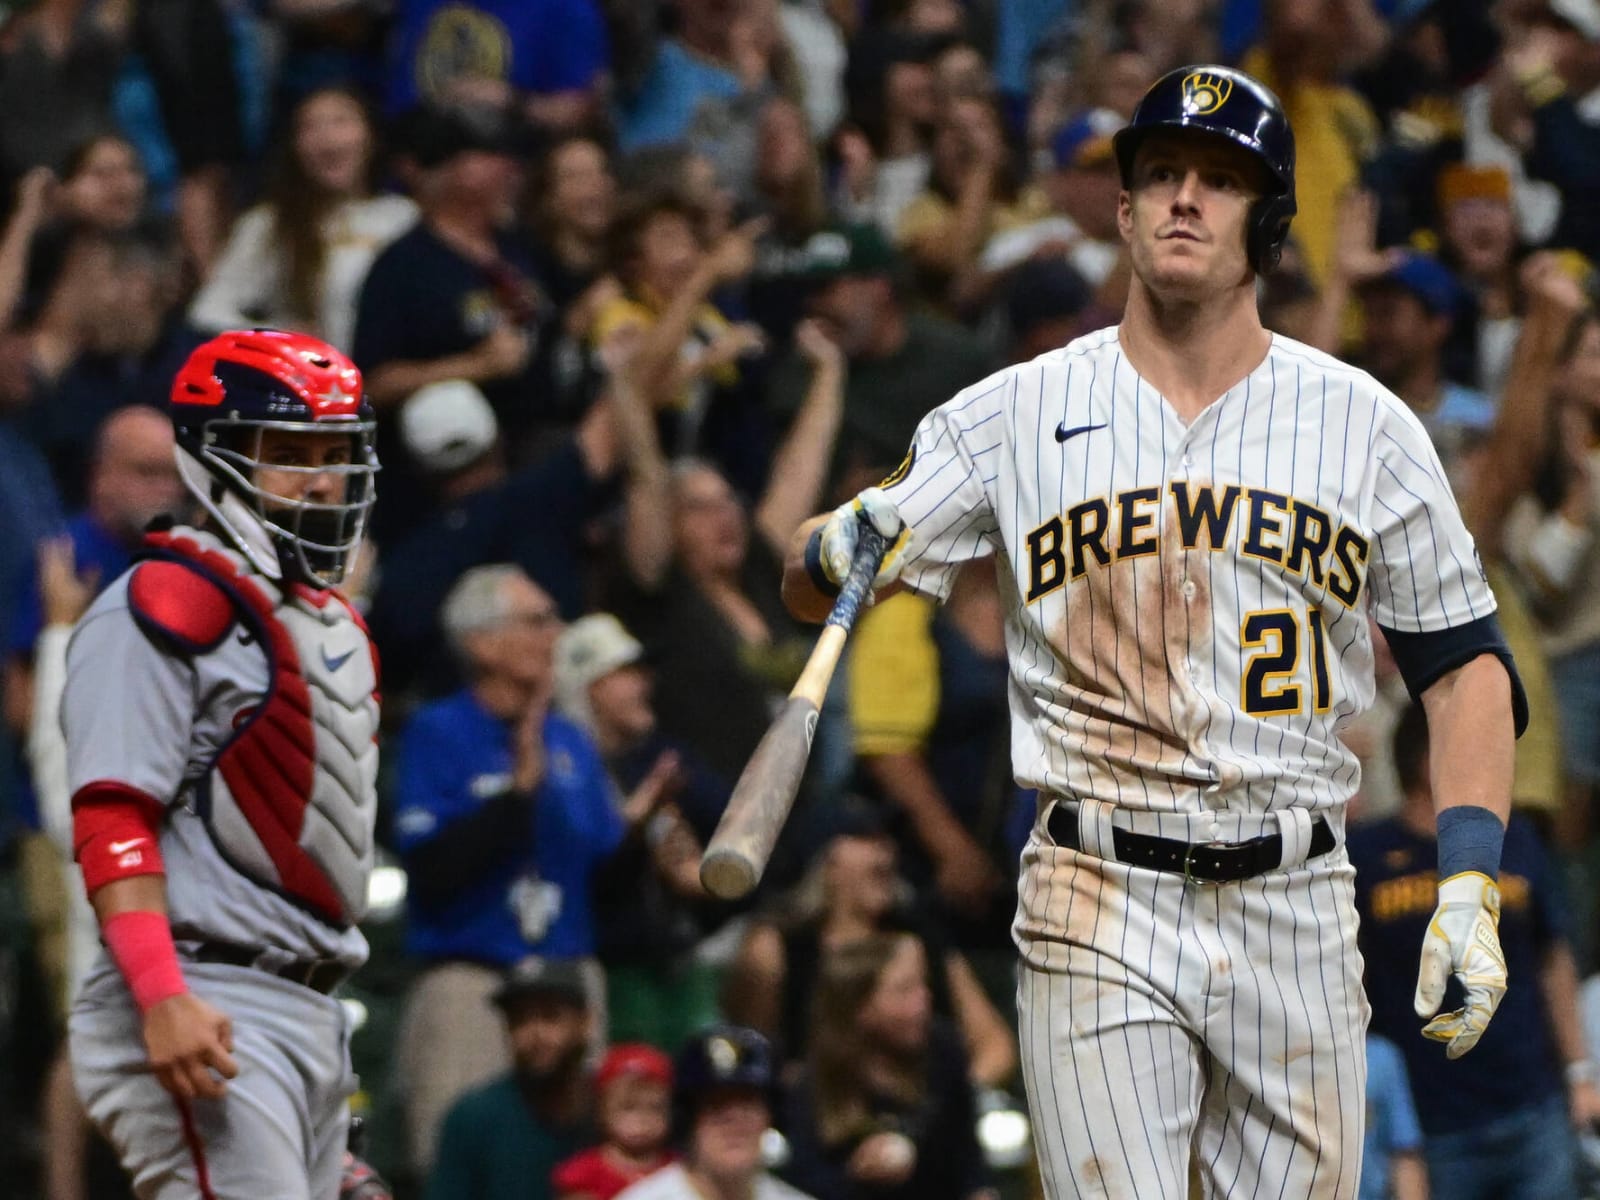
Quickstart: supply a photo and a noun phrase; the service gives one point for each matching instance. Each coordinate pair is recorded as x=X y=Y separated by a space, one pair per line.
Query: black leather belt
x=1214 y=862
x=319 y=974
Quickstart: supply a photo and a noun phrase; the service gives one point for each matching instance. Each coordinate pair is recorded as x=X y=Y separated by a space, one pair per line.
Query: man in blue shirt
x=504 y=813
x=1497 y=1124
x=546 y=59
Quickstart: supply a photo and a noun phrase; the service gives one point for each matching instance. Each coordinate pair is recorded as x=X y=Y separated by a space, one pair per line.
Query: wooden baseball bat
x=762 y=798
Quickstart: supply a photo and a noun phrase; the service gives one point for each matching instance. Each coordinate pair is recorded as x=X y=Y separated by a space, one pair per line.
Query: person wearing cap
x=503 y=816
x=633 y=1115
x=1047 y=304
x=652 y=917
x=454 y=298
x=722 y=1098
x=900 y=361
x=506 y=1137
x=480 y=514
x=1408 y=312
x=1478 y=240
x=1081 y=188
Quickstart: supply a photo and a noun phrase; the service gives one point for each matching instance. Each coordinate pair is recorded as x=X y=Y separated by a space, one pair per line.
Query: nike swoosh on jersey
x=333 y=664
x=1063 y=433
x=123 y=847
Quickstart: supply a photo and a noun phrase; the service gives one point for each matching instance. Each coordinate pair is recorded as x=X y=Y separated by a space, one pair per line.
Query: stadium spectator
x=298 y=260
x=480 y=511
x=927 y=705
x=885 y=151
x=884 y=1105
x=655 y=925
x=790 y=194
x=633 y=1118
x=1408 y=312
x=1505 y=1123
x=504 y=813
x=687 y=349
x=58 y=63
x=543 y=60
x=103 y=185
x=698 y=586
x=722 y=1107
x=454 y=298
x=1478 y=241
x=973 y=193
x=108 y=334
x=901 y=362
x=506 y=1137
x=852 y=893
x=707 y=81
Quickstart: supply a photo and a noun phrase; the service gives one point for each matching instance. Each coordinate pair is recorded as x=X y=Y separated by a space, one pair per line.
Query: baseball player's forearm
x=1470 y=737
x=801 y=595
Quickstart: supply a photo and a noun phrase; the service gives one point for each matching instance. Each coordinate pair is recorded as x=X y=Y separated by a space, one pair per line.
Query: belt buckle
x=1188 y=860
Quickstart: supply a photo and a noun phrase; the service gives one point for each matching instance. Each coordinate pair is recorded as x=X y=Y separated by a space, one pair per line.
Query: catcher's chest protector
x=290 y=799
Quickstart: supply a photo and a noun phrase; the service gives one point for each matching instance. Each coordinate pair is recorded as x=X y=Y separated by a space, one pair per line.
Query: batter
x=1194 y=522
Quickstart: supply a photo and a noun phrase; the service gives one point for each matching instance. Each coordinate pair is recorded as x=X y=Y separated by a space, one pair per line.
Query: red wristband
x=141 y=945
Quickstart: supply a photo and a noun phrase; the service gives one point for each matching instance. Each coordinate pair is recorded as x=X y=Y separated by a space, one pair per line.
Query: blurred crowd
x=637 y=286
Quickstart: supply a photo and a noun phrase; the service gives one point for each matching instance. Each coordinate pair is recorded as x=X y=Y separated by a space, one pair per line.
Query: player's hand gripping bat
x=761 y=800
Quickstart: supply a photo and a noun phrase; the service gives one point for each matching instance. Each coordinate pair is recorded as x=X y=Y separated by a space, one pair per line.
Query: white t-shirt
x=672 y=1183
x=246 y=286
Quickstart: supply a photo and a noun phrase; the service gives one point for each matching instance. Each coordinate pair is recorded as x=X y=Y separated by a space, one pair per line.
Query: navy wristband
x=1470 y=839
x=819 y=577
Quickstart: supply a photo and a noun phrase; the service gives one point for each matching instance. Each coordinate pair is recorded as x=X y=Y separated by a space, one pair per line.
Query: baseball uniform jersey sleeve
x=128 y=708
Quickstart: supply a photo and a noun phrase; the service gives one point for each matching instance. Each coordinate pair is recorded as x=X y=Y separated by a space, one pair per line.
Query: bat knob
x=727 y=875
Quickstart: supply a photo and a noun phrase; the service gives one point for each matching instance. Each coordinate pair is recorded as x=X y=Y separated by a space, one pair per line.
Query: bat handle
x=871 y=546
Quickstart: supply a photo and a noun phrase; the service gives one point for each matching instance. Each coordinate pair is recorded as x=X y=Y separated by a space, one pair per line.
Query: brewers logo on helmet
x=1229 y=104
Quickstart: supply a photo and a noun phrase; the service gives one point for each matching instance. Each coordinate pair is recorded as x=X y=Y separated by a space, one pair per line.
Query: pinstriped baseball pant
x=1174 y=1028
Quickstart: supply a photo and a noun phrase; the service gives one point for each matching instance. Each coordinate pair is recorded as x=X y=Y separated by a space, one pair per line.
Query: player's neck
x=1192 y=353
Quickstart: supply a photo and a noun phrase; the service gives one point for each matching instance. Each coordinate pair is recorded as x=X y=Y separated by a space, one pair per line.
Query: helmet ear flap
x=1269 y=229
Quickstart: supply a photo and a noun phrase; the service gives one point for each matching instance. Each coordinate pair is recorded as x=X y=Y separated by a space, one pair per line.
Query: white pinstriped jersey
x=1187 y=628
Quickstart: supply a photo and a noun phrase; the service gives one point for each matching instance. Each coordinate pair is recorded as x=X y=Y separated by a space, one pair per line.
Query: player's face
x=727 y=1134
x=634 y=1114
x=1184 y=219
x=293 y=466
x=900 y=1007
x=548 y=1035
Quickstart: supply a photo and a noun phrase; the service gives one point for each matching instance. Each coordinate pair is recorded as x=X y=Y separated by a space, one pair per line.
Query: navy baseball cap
x=557 y=978
x=1426 y=278
x=1085 y=141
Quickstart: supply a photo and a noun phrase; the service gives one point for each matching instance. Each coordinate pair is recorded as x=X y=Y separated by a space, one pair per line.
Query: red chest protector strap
x=269 y=764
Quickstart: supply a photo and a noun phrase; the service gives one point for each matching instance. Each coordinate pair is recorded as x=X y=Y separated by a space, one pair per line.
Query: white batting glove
x=842 y=529
x=1463 y=938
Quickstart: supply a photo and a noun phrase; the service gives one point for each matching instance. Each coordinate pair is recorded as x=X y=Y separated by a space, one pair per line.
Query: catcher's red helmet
x=243 y=382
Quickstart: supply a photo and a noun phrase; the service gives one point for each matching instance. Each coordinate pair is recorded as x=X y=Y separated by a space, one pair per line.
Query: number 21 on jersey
x=1274 y=640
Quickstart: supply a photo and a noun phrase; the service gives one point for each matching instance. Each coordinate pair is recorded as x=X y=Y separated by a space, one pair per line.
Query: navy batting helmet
x=721 y=1057
x=1228 y=104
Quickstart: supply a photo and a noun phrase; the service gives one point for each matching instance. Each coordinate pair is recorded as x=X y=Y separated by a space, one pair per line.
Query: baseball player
x=220 y=714
x=1192 y=520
